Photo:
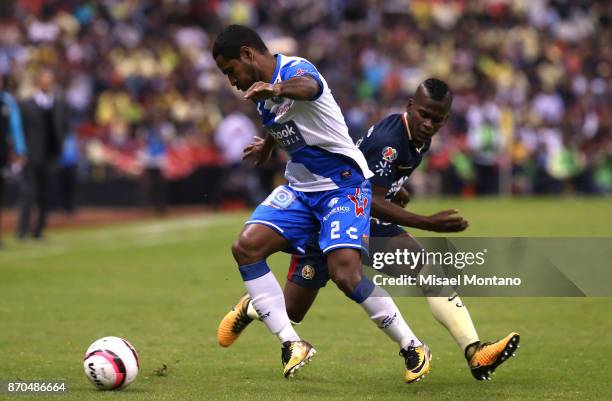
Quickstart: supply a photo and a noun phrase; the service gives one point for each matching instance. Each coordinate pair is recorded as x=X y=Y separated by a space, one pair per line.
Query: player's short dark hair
x=437 y=89
x=232 y=38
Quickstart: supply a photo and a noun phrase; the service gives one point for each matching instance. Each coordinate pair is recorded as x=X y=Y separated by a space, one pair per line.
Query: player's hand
x=401 y=198
x=257 y=151
x=447 y=221
x=262 y=90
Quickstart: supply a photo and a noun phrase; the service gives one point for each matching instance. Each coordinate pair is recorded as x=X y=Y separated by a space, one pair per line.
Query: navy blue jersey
x=390 y=152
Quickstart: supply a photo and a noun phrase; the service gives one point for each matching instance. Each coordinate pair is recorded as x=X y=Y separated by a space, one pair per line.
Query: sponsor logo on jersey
x=288 y=135
x=332 y=202
x=389 y=154
x=359 y=201
x=277 y=106
x=308 y=272
x=395 y=187
x=383 y=168
x=337 y=209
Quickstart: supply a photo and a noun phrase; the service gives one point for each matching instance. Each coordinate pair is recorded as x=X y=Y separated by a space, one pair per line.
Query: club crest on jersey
x=389 y=154
x=360 y=202
x=308 y=272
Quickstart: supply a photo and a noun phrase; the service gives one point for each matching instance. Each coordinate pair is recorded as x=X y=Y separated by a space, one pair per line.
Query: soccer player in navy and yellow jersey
x=394 y=148
x=328 y=195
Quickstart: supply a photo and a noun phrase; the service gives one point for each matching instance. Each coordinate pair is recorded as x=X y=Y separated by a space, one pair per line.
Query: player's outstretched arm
x=297 y=88
x=445 y=221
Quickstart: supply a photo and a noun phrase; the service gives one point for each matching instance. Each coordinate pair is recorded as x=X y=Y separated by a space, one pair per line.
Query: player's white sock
x=288 y=333
x=453 y=315
x=384 y=313
x=252 y=313
x=267 y=299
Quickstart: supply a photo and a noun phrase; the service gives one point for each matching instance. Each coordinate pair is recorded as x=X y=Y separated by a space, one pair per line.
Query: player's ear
x=409 y=105
x=246 y=55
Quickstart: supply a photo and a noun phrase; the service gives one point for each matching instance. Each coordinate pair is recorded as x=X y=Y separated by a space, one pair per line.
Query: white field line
x=140 y=235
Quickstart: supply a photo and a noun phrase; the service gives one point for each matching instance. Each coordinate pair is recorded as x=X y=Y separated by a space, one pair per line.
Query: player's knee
x=245 y=251
x=345 y=271
x=346 y=280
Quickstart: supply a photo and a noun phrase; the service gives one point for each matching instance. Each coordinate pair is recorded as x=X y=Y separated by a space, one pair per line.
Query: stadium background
x=531 y=81
x=531 y=115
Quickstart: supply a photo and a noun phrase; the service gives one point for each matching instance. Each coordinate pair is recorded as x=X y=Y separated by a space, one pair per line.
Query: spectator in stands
x=233 y=134
x=155 y=132
x=541 y=63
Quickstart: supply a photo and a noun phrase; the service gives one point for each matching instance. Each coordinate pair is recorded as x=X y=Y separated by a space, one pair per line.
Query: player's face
x=240 y=74
x=427 y=116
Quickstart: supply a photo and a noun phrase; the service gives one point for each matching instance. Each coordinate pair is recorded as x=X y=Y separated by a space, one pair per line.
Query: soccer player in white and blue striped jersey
x=328 y=195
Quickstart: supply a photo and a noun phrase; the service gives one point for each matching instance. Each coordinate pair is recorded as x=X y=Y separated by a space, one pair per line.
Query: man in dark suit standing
x=45 y=121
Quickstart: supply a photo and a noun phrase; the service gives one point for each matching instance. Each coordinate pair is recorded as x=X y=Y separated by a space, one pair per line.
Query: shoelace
x=241 y=321
x=410 y=355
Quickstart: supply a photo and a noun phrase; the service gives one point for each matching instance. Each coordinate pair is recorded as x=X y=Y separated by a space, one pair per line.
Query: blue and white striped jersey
x=323 y=156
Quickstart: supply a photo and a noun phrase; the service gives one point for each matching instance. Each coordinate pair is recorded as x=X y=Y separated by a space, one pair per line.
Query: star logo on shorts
x=360 y=202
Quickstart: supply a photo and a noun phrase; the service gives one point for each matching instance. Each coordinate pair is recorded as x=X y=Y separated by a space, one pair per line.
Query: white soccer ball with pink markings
x=111 y=363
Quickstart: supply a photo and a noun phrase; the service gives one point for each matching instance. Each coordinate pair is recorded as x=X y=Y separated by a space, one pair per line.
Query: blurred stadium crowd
x=532 y=82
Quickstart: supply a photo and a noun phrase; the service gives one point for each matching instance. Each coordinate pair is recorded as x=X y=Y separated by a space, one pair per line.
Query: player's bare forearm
x=444 y=221
x=392 y=213
x=297 y=88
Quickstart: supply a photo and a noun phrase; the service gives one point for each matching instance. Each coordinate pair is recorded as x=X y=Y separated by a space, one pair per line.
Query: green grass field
x=164 y=285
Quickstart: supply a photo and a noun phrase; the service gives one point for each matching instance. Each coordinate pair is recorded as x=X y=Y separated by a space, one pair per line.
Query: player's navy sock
x=267 y=298
x=384 y=313
x=363 y=290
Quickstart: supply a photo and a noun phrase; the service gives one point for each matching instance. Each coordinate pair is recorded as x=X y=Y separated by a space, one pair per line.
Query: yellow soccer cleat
x=234 y=322
x=294 y=355
x=488 y=356
x=418 y=361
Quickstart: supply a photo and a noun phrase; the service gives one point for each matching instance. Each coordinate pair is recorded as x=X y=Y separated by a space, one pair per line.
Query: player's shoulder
x=290 y=61
x=291 y=66
x=388 y=130
x=391 y=123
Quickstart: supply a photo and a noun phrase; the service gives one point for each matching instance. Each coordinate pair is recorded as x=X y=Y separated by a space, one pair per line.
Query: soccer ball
x=111 y=363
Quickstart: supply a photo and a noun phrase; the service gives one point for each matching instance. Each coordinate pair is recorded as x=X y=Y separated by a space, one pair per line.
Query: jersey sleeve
x=381 y=158
x=300 y=68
